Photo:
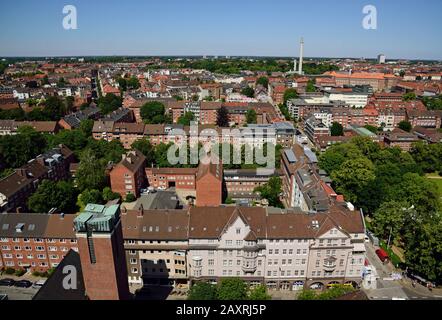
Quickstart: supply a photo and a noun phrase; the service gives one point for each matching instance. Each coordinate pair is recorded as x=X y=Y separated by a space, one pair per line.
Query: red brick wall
x=117 y=180
x=107 y=278
x=208 y=191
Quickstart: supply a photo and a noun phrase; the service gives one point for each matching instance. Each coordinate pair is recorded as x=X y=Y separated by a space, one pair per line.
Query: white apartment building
x=285 y=249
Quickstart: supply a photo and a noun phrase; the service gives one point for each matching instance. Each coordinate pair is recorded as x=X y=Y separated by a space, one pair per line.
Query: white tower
x=301 y=53
x=294 y=65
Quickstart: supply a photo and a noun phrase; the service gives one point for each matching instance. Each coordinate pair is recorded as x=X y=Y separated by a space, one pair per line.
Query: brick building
x=101 y=248
x=209 y=181
x=128 y=176
x=16 y=188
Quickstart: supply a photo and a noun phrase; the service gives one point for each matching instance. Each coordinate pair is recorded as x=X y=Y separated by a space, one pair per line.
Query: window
x=133 y=261
x=228 y=242
x=211 y=262
x=238 y=230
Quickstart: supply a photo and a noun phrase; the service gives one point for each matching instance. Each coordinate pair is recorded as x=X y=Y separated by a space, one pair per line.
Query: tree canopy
x=153 y=113
x=110 y=102
x=51 y=194
x=251 y=116
x=336 y=129
x=222 y=117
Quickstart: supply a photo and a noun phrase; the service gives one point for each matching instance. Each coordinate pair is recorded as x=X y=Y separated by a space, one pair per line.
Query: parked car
x=383 y=256
x=7 y=282
x=23 y=284
x=38 y=284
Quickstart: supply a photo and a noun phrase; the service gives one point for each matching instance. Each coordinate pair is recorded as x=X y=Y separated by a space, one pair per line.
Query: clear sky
x=406 y=28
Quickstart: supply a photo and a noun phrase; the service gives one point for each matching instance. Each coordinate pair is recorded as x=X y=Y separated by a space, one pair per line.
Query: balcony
x=249 y=268
x=329 y=264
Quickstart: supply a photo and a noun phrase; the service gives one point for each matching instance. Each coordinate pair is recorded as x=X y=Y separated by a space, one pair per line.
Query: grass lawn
x=437 y=181
x=393 y=257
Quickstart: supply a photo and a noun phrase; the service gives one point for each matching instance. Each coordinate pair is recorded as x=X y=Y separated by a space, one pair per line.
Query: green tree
x=271 y=191
x=290 y=94
x=307 y=295
x=352 y=177
x=16 y=150
x=371 y=128
x=86 y=127
x=202 y=291
x=109 y=103
x=146 y=148
x=259 y=293
x=161 y=155
x=389 y=218
x=153 y=112
x=122 y=84
x=109 y=195
x=89 y=196
x=409 y=96
x=337 y=154
x=133 y=83
x=54 y=108
x=51 y=194
x=61 y=83
x=130 y=197
x=248 y=92
x=75 y=140
x=186 y=118
x=419 y=192
x=405 y=125
x=232 y=289
x=222 y=117
x=251 y=116
x=310 y=86
x=336 y=129
x=264 y=81
x=90 y=173
x=423 y=249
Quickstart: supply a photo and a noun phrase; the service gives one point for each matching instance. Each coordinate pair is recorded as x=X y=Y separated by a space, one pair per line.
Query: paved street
x=388 y=289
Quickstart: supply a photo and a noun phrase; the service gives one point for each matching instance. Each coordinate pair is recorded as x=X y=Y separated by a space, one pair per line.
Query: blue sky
x=406 y=28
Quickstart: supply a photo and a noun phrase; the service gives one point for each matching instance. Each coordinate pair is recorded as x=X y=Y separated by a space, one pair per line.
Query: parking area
x=15 y=293
x=19 y=293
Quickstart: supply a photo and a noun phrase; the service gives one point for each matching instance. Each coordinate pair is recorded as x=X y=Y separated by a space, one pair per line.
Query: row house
x=283 y=249
x=303 y=184
x=425 y=119
x=400 y=138
x=10 y=127
x=378 y=81
x=286 y=250
x=16 y=188
x=35 y=241
x=241 y=183
x=73 y=120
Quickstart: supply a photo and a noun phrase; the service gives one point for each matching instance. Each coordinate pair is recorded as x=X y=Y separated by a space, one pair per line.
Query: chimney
x=140 y=212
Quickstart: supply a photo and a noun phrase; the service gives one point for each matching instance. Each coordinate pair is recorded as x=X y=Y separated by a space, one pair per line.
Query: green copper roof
x=97 y=218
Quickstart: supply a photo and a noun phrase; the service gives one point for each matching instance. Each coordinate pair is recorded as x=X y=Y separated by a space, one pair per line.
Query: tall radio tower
x=301 y=53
